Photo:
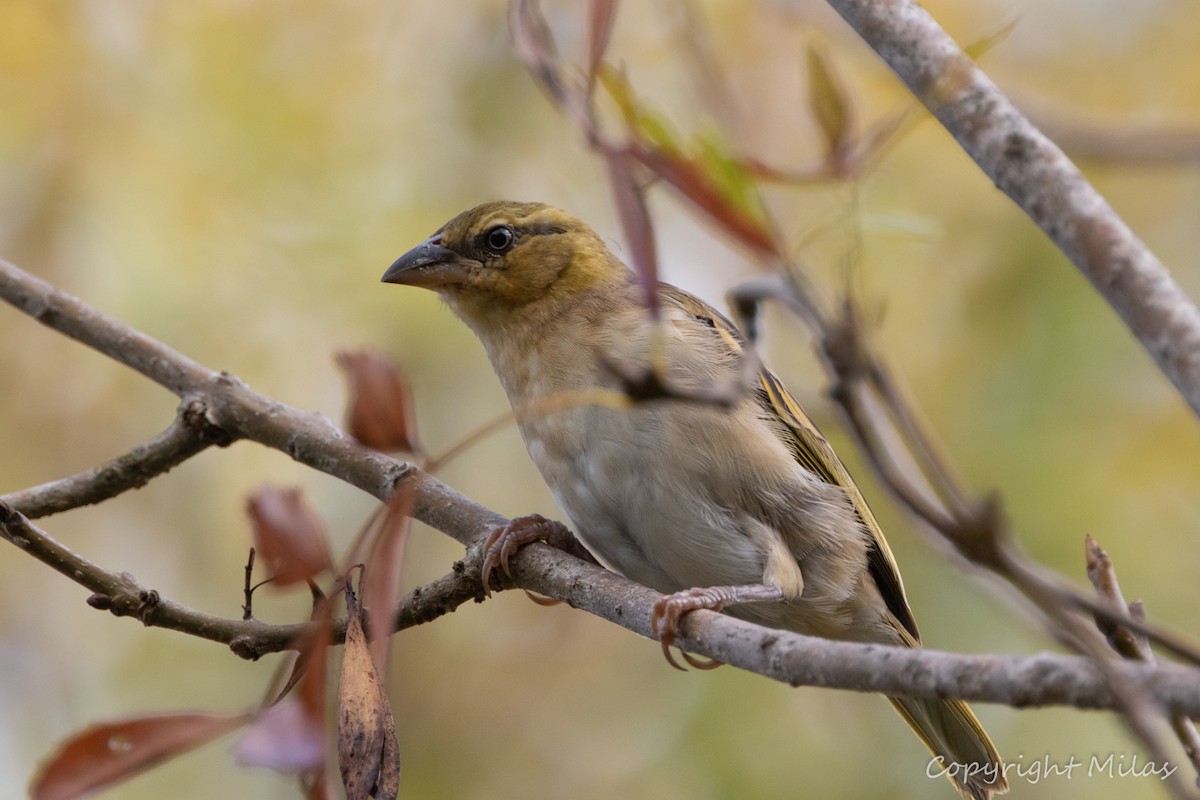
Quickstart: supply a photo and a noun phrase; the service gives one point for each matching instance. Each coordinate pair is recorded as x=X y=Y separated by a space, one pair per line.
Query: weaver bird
x=739 y=505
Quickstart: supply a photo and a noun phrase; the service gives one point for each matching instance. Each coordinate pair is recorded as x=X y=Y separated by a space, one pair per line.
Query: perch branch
x=311 y=439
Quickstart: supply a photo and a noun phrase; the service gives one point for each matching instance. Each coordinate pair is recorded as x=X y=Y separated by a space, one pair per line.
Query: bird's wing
x=812 y=452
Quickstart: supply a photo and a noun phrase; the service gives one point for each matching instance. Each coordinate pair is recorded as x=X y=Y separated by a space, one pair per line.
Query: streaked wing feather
x=816 y=455
x=813 y=453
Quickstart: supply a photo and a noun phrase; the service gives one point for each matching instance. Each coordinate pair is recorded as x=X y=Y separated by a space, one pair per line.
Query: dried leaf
x=368 y=753
x=289 y=535
x=107 y=753
x=312 y=647
x=289 y=735
x=830 y=104
x=380 y=411
x=635 y=220
x=381 y=578
x=284 y=738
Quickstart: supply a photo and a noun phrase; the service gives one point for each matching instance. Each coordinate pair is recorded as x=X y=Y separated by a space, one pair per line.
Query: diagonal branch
x=1038 y=177
x=187 y=435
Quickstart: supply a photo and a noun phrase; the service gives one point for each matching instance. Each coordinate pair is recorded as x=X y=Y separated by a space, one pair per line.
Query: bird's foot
x=505 y=540
x=664 y=620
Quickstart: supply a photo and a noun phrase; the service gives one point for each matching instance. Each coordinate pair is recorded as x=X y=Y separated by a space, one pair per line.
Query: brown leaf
x=692 y=182
x=107 y=753
x=368 y=753
x=380 y=411
x=288 y=534
x=381 y=578
x=602 y=15
x=284 y=738
x=311 y=648
x=289 y=736
x=635 y=220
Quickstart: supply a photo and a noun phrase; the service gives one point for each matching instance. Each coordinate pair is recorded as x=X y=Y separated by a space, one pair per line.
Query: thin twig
x=1137 y=706
x=122 y=595
x=1127 y=642
x=248 y=588
x=187 y=435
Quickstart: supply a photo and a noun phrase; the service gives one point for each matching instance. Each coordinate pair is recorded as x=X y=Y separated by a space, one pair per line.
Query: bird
x=681 y=462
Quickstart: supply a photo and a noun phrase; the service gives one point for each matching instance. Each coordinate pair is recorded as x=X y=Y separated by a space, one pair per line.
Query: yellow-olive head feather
x=498 y=257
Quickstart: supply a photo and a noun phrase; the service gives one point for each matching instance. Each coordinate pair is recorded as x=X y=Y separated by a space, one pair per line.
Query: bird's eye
x=499 y=239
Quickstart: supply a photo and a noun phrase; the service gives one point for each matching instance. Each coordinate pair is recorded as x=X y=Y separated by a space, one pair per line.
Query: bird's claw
x=664 y=621
x=505 y=540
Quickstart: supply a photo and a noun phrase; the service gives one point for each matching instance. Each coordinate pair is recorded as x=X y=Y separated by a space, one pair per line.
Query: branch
x=123 y=596
x=798 y=660
x=1039 y=177
x=1129 y=643
x=186 y=436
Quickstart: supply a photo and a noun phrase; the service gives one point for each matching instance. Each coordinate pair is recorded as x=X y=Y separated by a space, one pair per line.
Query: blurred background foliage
x=233 y=178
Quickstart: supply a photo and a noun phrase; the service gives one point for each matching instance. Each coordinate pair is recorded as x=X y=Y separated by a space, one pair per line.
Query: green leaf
x=828 y=101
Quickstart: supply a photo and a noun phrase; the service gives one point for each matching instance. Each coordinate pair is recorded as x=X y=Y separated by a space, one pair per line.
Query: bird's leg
x=504 y=540
x=664 y=620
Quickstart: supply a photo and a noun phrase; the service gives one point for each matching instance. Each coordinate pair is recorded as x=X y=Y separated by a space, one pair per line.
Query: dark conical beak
x=428 y=264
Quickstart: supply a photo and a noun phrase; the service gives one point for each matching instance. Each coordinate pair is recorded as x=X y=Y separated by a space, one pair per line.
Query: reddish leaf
x=692 y=182
x=381 y=578
x=635 y=220
x=311 y=649
x=380 y=411
x=289 y=736
x=534 y=46
x=368 y=753
x=602 y=14
x=288 y=534
x=283 y=738
x=110 y=752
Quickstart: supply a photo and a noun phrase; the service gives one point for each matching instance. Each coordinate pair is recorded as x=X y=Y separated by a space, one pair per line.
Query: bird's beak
x=428 y=264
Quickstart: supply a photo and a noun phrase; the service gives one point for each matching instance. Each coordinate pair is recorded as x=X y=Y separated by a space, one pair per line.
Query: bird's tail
x=961 y=748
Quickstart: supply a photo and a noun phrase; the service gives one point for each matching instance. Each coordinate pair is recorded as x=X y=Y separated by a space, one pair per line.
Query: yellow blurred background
x=233 y=178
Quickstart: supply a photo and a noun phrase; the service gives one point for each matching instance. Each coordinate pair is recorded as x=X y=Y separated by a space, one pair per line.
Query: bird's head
x=503 y=257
